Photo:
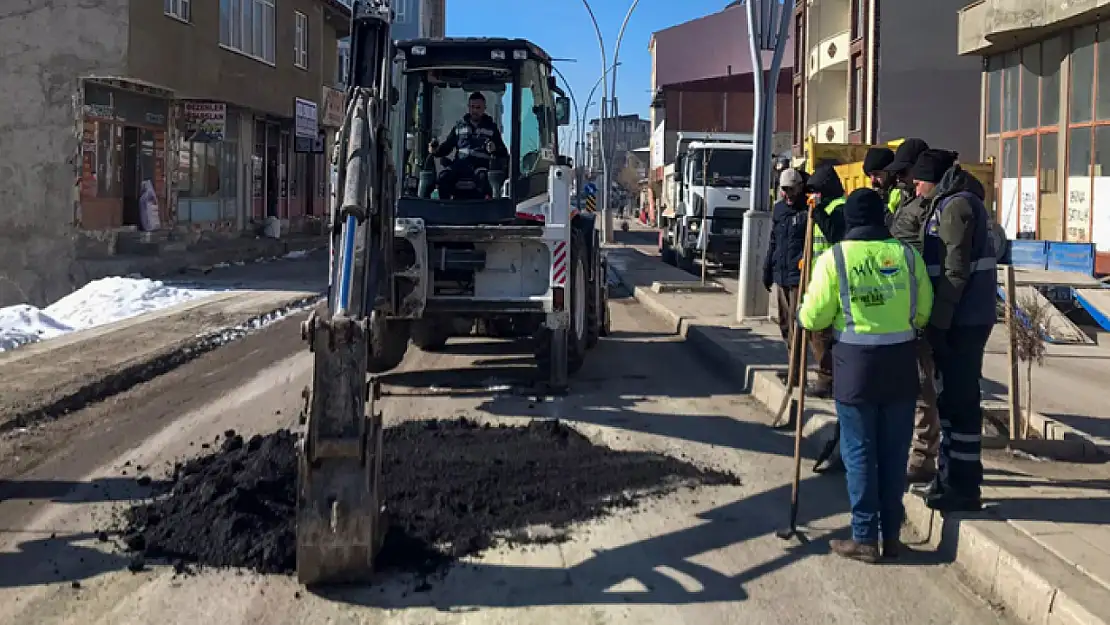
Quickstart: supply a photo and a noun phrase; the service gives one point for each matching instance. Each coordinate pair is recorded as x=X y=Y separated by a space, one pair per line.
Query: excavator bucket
x=339 y=504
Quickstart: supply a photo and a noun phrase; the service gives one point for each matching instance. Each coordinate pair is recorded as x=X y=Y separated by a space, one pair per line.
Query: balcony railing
x=831 y=53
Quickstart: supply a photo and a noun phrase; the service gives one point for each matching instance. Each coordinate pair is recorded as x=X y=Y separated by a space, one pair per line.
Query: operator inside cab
x=478 y=141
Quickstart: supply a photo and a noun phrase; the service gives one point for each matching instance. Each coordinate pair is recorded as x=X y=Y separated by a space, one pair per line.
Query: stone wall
x=49 y=47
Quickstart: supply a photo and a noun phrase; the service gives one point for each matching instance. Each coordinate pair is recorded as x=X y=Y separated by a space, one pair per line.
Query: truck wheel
x=429 y=335
x=576 y=334
x=580 y=298
x=389 y=340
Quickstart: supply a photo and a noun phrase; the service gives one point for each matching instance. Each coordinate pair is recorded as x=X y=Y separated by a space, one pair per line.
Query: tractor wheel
x=389 y=340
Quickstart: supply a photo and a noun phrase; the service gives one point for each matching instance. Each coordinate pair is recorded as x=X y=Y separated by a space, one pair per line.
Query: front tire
x=388 y=342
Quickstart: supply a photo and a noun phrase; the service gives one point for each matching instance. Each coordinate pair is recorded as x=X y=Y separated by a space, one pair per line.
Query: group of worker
x=900 y=304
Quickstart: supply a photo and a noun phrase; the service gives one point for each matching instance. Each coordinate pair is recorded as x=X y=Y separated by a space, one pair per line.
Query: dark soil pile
x=451 y=489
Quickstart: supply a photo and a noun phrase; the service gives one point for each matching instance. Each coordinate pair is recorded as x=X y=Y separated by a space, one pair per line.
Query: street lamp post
x=582 y=121
x=608 y=215
x=605 y=233
x=768 y=26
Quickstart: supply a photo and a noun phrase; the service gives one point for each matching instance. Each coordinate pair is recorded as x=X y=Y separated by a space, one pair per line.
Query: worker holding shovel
x=874 y=292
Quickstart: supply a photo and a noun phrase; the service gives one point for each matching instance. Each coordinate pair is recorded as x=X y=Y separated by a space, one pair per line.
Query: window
x=247 y=27
x=344 y=62
x=994 y=95
x=859 y=21
x=1082 y=75
x=1009 y=158
x=1030 y=86
x=537 y=118
x=1052 y=57
x=1029 y=156
x=1079 y=152
x=1102 y=106
x=180 y=9
x=1011 y=79
x=855 y=121
x=1048 y=226
x=400 y=11
x=300 y=40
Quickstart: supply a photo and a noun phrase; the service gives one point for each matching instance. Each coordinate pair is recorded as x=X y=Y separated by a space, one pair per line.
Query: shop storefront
x=208 y=165
x=123 y=157
x=1047 y=123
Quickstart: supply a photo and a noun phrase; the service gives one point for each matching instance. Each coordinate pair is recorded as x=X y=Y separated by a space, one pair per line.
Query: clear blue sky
x=563 y=28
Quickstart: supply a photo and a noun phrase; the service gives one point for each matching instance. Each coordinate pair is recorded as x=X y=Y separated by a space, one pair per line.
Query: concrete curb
x=1004 y=565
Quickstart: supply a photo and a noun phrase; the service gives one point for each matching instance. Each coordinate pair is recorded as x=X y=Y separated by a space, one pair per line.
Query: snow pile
x=98 y=303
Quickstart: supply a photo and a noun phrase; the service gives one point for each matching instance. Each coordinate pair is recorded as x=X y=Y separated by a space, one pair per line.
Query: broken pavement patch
x=452 y=489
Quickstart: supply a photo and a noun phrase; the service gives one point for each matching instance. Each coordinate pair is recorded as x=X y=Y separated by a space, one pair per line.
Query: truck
x=417 y=259
x=709 y=182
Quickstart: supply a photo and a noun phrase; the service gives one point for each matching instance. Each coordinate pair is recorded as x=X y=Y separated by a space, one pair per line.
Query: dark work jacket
x=471 y=139
x=788 y=239
x=874 y=374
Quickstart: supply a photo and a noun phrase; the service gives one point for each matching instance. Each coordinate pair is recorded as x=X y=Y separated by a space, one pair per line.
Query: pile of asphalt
x=452 y=489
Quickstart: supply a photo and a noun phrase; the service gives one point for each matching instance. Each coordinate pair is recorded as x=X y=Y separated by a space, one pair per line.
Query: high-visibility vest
x=894 y=200
x=883 y=294
x=977 y=302
x=820 y=243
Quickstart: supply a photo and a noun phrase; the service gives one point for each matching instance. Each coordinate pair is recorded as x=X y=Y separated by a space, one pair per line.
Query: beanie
x=932 y=164
x=877 y=159
x=864 y=207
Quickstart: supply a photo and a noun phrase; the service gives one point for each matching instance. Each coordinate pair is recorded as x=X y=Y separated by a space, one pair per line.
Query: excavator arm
x=339 y=504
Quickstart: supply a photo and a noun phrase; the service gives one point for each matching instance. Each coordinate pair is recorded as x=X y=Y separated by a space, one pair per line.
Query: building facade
x=625 y=132
x=412 y=19
x=166 y=116
x=701 y=81
x=1046 y=116
x=871 y=71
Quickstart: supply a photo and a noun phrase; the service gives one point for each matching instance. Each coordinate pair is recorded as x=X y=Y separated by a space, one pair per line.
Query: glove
x=938 y=341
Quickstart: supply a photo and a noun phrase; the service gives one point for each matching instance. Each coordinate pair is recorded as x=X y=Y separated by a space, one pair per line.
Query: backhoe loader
x=417 y=259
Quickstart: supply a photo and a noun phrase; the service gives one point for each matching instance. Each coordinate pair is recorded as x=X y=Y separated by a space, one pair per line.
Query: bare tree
x=1031 y=347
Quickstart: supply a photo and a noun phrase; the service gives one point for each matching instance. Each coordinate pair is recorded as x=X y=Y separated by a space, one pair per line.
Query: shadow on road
x=52 y=559
x=95 y=491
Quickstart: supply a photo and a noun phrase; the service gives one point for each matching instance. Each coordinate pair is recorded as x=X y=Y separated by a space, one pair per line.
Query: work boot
x=852 y=550
x=949 y=501
x=920 y=474
x=891 y=549
x=819 y=390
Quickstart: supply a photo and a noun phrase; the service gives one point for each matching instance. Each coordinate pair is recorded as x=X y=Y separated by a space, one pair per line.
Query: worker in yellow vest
x=874 y=292
x=827 y=210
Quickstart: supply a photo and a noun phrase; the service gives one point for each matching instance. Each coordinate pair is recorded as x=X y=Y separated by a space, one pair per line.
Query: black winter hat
x=906 y=155
x=932 y=164
x=864 y=207
x=825 y=181
x=877 y=159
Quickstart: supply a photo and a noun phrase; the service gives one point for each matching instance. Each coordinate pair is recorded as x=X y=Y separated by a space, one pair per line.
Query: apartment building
x=151 y=116
x=870 y=71
x=625 y=132
x=1046 y=116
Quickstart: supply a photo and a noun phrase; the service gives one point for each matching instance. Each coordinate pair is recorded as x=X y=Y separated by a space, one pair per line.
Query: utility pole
x=768 y=27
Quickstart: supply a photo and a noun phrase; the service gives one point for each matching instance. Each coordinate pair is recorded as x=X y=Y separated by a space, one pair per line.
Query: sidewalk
x=1042 y=547
x=49 y=379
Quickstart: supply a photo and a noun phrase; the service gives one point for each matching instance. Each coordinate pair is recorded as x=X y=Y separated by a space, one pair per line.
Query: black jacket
x=827 y=183
x=864 y=374
x=784 y=252
x=466 y=135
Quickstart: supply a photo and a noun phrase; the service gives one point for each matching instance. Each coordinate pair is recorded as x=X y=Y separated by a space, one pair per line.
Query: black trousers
x=959 y=366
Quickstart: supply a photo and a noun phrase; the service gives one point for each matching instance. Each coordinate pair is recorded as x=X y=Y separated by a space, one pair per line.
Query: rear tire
x=578 y=298
x=389 y=340
x=429 y=335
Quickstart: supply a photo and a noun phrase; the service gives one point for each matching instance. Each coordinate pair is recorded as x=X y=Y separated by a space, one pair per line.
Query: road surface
x=704 y=557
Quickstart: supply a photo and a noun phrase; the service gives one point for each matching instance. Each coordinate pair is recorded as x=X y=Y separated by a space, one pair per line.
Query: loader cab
x=436 y=79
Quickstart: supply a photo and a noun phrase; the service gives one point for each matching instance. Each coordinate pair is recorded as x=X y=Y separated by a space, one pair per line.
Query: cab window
x=537 y=136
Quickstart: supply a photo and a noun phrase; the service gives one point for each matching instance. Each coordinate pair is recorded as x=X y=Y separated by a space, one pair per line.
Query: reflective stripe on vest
x=820 y=243
x=983 y=264
x=850 y=335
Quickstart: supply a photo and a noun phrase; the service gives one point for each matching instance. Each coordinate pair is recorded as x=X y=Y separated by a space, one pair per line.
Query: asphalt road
x=706 y=557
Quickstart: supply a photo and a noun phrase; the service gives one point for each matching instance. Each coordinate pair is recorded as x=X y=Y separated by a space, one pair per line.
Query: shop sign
x=333 y=108
x=205 y=122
